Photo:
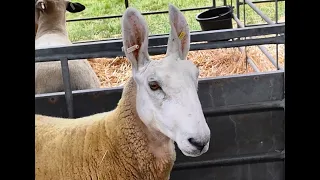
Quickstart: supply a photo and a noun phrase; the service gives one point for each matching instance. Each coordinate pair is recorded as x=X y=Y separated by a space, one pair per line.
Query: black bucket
x=216 y=18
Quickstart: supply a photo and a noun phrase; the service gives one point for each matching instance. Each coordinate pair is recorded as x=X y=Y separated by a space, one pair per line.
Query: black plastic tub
x=216 y=18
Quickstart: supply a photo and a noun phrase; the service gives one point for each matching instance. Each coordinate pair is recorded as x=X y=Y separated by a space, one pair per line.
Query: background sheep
x=51 y=21
x=159 y=105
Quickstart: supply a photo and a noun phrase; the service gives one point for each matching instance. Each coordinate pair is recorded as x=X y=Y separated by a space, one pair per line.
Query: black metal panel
x=51 y=105
x=259 y=171
x=241 y=134
x=243 y=89
x=244 y=108
x=86 y=102
x=213 y=93
x=232 y=161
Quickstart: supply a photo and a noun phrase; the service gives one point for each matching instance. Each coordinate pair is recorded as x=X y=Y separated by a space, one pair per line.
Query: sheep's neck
x=153 y=151
x=53 y=23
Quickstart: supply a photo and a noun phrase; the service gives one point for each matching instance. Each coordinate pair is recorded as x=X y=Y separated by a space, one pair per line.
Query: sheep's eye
x=154 y=85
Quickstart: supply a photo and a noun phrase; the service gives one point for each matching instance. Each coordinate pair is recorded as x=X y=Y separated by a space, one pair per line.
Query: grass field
x=158 y=24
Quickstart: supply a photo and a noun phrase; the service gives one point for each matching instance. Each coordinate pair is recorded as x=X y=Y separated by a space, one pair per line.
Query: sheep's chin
x=192 y=152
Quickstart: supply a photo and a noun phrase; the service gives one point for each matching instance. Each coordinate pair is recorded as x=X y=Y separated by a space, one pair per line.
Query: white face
x=167 y=98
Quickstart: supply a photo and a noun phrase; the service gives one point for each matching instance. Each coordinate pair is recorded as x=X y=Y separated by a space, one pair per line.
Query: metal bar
x=244 y=24
x=250 y=61
x=238 y=10
x=214 y=3
x=79 y=53
x=238 y=21
x=259 y=2
x=262 y=48
x=244 y=108
x=67 y=86
x=145 y=13
x=126 y=3
x=98 y=49
x=248 y=159
x=266 y=53
x=260 y=13
x=113 y=39
x=252 y=64
x=213 y=35
x=277 y=13
x=223 y=44
x=244 y=15
x=253 y=25
x=225 y=2
x=277 y=55
x=277 y=46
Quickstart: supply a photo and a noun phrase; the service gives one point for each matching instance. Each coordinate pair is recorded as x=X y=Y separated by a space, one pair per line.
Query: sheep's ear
x=41 y=5
x=36 y=19
x=135 y=38
x=179 y=38
x=36 y=29
x=75 y=7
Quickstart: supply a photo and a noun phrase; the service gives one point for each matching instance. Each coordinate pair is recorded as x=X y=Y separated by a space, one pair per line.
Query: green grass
x=158 y=24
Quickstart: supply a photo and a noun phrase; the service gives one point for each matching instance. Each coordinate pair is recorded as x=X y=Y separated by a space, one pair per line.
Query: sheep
x=159 y=106
x=51 y=32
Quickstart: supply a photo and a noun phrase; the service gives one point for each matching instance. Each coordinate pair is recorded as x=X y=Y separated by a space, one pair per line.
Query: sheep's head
x=52 y=7
x=58 y=5
x=167 y=98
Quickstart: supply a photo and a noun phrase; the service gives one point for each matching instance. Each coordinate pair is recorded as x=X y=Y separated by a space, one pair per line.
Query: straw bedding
x=114 y=72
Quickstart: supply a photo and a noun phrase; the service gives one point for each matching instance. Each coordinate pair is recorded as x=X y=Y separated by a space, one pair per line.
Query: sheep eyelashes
x=135 y=141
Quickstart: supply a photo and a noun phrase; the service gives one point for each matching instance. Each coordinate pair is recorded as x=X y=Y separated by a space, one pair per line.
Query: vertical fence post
x=277 y=46
x=238 y=11
x=67 y=86
x=214 y=3
x=126 y=3
x=244 y=13
x=277 y=13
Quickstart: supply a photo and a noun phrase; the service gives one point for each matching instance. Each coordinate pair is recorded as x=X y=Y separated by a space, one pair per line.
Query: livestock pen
x=245 y=112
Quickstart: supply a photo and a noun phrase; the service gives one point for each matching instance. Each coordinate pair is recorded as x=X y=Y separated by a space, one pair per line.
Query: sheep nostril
x=197 y=144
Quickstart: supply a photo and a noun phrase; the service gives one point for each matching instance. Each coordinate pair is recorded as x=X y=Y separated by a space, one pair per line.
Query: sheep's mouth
x=194 y=152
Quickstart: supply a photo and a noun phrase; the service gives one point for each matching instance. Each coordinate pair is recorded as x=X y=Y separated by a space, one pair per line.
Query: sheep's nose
x=199 y=145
